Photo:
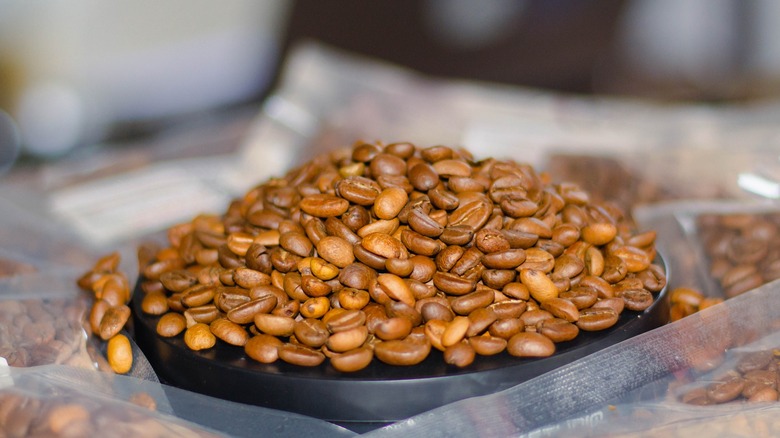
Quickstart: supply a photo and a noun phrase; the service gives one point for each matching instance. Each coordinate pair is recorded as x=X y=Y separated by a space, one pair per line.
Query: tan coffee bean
x=154 y=303
x=276 y=325
x=402 y=352
x=487 y=345
x=229 y=331
x=599 y=233
x=353 y=360
x=171 y=324
x=396 y=288
x=120 y=354
x=199 y=337
x=263 y=348
x=353 y=299
x=390 y=202
x=323 y=270
x=393 y=328
x=315 y=307
x=345 y=320
x=530 y=345
x=336 y=250
x=539 y=284
x=113 y=321
x=300 y=355
x=346 y=340
x=324 y=205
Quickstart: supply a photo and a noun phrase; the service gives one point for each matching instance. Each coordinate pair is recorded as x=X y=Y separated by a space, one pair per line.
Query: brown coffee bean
x=530 y=345
x=754 y=361
x=199 y=337
x=396 y=288
x=245 y=313
x=424 y=224
x=558 y=330
x=460 y=355
x=154 y=303
x=726 y=389
x=385 y=246
x=424 y=268
x=345 y=320
x=455 y=331
x=505 y=259
x=229 y=332
x=582 y=297
x=389 y=203
x=617 y=304
x=113 y=321
x=487 y=345
x=296 y=243
x=597 y=318
x=119 y=354
x=465 y=304
x=353 y=360
x=615 y=269
x=300 y=355
x=402 y=352
x=324 y=205
x=636 y=299
x=419 y=244
x=171 y=324
x=453 y=284
x=198 y=295
x=346 y=340
x=540 y=286
x=473 y=214
x=276 y=325
x=506 y=328
x=96 y=314
x=263 y=348
x=767 y=394
x=203 y=314
x=336 y=250
x=561 y=308
x=393 y=328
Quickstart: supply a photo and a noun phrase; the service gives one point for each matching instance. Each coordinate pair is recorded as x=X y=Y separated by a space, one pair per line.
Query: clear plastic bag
x=69 y=401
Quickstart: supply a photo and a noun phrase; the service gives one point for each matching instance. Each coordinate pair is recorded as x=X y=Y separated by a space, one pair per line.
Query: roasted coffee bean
x=487 y=345
x=726 y=389
x=434 y=310
x=461 y=354
x=636 y=299
x=171 y=324
x=353 y=360
x=530 y=345
x=506 y=328
x=199 y=337
x=300 y=355
x=229 y=331
x=119 y=354
x=113 y=321
x=597 y=318
x=465 y=304
x=402 y=352
x=276 y=325
x=558 y=330
x=562 y=308
x=263 y=348
x=336 y=250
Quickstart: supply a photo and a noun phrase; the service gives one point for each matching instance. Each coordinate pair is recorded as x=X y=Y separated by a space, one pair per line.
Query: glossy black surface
x=378 y=394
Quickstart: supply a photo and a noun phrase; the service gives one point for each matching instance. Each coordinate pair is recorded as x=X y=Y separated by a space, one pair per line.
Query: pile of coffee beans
x=43 y=332
x=110 y=312
x=387 y=251
x=753 y=379
x=743 y=249
x=73 y=415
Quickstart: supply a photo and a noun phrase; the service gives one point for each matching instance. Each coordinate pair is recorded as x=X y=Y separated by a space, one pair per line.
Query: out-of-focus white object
x=84 y=65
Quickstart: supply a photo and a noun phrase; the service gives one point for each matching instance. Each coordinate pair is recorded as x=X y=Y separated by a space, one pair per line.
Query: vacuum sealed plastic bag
x=591 y=396
x=65 y=401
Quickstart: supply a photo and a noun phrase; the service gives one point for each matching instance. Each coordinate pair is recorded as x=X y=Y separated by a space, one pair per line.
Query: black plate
x=375 y=395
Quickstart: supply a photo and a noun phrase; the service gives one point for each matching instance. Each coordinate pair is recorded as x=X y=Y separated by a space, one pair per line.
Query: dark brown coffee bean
x=506 y=259
x=399 y=309
x=452 y=283
x=113 y=321
x=296 y=243
x=423 y=177
x=434 y=310
x=357 y=275
x=473 y=214
x=424 y=268
x=582 y=297
x=479 y=320
x=358 y=189
x=506 y=328
x=178 y=280
x=386 y=164
x=419 y=244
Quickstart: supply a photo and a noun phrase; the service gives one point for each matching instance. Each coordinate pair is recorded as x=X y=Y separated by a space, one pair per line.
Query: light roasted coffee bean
x=263 y=348
x=199 y=337
x=300 y=355
x=402 y=352
x=597 y=318
x=171 y=324
x=229 y=331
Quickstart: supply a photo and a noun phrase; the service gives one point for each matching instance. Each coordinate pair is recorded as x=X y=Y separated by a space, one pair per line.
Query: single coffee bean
x=530 y=345
x=353 y=360
x=558 y=330
x=453 y=284
x=636 y=299
x=460 y=355
x=336 y=250
x=616 y=304
x=276 y=325
x=540 y=286
x=171 y=324
x=465 y=304
x=597 y=318
x=199 y=337
x=245 y=313
x=561 y=308
x=263 y=348
x=229 y=332
x=324 y=205
x=726 y=389
x=402 y=352
x=119 y=354
x=300 y=355
x=113 y=321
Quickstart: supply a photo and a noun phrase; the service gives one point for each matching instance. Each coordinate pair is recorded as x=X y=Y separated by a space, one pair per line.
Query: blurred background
x=78 y=73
